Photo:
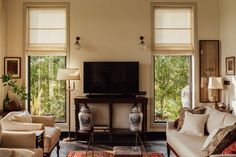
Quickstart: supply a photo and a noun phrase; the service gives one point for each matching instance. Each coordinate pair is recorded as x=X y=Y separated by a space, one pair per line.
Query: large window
x=173 y=48
x=172 y=85
x=46 y=47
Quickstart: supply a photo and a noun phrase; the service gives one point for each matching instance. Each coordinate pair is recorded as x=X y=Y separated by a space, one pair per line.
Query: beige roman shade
x=173 y=30
x=46 y=31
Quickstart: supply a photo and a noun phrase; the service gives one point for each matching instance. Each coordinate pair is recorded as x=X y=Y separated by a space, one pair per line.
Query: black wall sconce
x=77 y=45
x=142 y=44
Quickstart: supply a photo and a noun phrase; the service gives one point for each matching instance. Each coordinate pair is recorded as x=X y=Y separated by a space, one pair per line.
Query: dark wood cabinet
x=79 y=101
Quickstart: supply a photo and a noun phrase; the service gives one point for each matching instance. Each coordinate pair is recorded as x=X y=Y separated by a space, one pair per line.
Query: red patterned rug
x=106 y=154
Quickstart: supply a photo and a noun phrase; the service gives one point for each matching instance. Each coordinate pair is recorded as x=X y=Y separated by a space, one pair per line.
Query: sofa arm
x=46 y=120
x=18 y=139
x=170 y=125
x=18 y=126
x=223 y=155
x=29 y=152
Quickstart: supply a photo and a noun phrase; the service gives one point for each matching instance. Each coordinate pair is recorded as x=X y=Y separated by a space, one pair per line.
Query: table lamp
x=67 y=75
x=214 y=84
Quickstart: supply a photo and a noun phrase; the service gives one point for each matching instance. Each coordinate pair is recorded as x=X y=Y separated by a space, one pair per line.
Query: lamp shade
x=215 y=83
x=68 y=74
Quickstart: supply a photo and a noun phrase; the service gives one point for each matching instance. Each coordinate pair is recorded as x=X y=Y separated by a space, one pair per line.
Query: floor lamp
x=67 y=75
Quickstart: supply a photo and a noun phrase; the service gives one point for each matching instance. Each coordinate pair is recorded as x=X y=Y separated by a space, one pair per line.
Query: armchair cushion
x=46 y=120
x=13 y=139
x=23 y=117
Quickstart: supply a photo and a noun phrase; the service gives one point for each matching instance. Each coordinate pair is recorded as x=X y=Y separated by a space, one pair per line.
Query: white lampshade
x=215 y=83
x=68 y=74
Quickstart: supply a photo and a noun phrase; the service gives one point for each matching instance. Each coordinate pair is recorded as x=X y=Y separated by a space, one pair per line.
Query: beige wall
x=2 y=46
x=109 y=30
x=228 y=46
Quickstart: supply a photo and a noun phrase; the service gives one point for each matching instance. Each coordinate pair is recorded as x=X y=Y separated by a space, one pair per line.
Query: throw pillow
x=24 y=117
x=231 y=149
x=222 y=139
x=209 y=139
x=200 y=110
x=194 y=124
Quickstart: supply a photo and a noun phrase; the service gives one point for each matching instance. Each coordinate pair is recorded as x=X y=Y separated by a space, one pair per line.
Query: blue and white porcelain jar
x=85 y=118
x=135 y=118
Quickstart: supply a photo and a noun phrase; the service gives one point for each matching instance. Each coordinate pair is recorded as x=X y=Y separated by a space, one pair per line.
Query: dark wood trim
x=49 y=153
x=169 y=148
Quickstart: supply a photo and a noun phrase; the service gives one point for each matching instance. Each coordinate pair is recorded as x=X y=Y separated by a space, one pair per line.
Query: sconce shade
x=215 y=83
x=68 y=74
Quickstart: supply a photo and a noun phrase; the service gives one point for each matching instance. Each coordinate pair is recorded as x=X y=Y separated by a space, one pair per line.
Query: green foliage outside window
x=171 y=76
x=46 y=93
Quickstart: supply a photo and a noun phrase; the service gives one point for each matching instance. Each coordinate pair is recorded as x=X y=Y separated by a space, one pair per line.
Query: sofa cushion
x=229 y=120
x=215 y=119
x=51 y=137
x=185 y=145
x=182 y=110
x=222 y=139
x=194 y=124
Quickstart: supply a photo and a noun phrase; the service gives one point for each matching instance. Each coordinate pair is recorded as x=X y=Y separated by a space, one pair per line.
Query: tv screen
x=111 y=77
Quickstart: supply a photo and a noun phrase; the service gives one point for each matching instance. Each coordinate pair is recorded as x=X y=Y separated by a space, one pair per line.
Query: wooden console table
x=79 y=101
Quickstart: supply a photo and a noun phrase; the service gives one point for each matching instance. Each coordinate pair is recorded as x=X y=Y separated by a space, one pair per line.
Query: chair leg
x=58 y=149
x=168 y=150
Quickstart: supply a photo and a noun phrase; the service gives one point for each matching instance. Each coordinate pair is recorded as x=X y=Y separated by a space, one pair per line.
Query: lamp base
x=69 y=139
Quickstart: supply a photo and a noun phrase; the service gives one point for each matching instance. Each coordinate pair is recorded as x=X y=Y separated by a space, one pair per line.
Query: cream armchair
x=11 y=144
x=46 y=123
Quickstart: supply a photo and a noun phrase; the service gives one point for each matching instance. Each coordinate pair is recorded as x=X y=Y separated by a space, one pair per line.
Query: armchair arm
x=18 y=126
x=170 y=125
x=46 y=120
x=17 y=139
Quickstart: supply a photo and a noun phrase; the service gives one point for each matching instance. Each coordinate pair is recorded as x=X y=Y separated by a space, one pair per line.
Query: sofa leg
x=58 y=149
x=168 y=150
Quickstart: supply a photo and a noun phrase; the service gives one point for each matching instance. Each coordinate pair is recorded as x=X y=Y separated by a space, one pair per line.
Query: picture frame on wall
x=230 y=65
x=12 y=65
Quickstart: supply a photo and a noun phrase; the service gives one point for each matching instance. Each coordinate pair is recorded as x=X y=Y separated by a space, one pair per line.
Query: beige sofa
x=183 y=145
x=17 y=148
x=46 y=123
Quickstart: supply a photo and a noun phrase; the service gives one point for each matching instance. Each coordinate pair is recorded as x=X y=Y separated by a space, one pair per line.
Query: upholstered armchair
x=13 y=121
x=11 y=144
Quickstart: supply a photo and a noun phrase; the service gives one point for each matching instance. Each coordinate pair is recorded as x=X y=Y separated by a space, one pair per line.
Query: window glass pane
x=47 y=95
x=173 y=36
x=47 y=18
x=171 y=86
x=172 y=18
x=47 y=36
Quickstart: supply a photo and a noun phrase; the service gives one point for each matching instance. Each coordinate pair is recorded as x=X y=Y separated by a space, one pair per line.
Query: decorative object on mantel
x=142 y=44
x=135 y=118
x=214 y=84
x=230 y=65
x=77 y=45
x=85 y=118
x=68 y=74
x=18 y=90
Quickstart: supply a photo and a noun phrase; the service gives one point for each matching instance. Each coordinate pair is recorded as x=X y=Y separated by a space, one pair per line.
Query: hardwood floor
x=158 y=146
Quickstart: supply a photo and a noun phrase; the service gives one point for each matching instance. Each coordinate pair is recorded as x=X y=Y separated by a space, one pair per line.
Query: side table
x=39 y=138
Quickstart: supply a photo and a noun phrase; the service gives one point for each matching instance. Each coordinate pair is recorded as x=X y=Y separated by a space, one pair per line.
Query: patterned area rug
x=106 y=154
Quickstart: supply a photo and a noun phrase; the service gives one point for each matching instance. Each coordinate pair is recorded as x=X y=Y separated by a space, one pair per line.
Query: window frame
x=193 y=5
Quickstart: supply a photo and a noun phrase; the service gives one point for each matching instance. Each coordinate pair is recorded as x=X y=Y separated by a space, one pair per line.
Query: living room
x=111 y=31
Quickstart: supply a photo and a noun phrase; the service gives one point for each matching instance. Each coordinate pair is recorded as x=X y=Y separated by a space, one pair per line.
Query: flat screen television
x=111 y=78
